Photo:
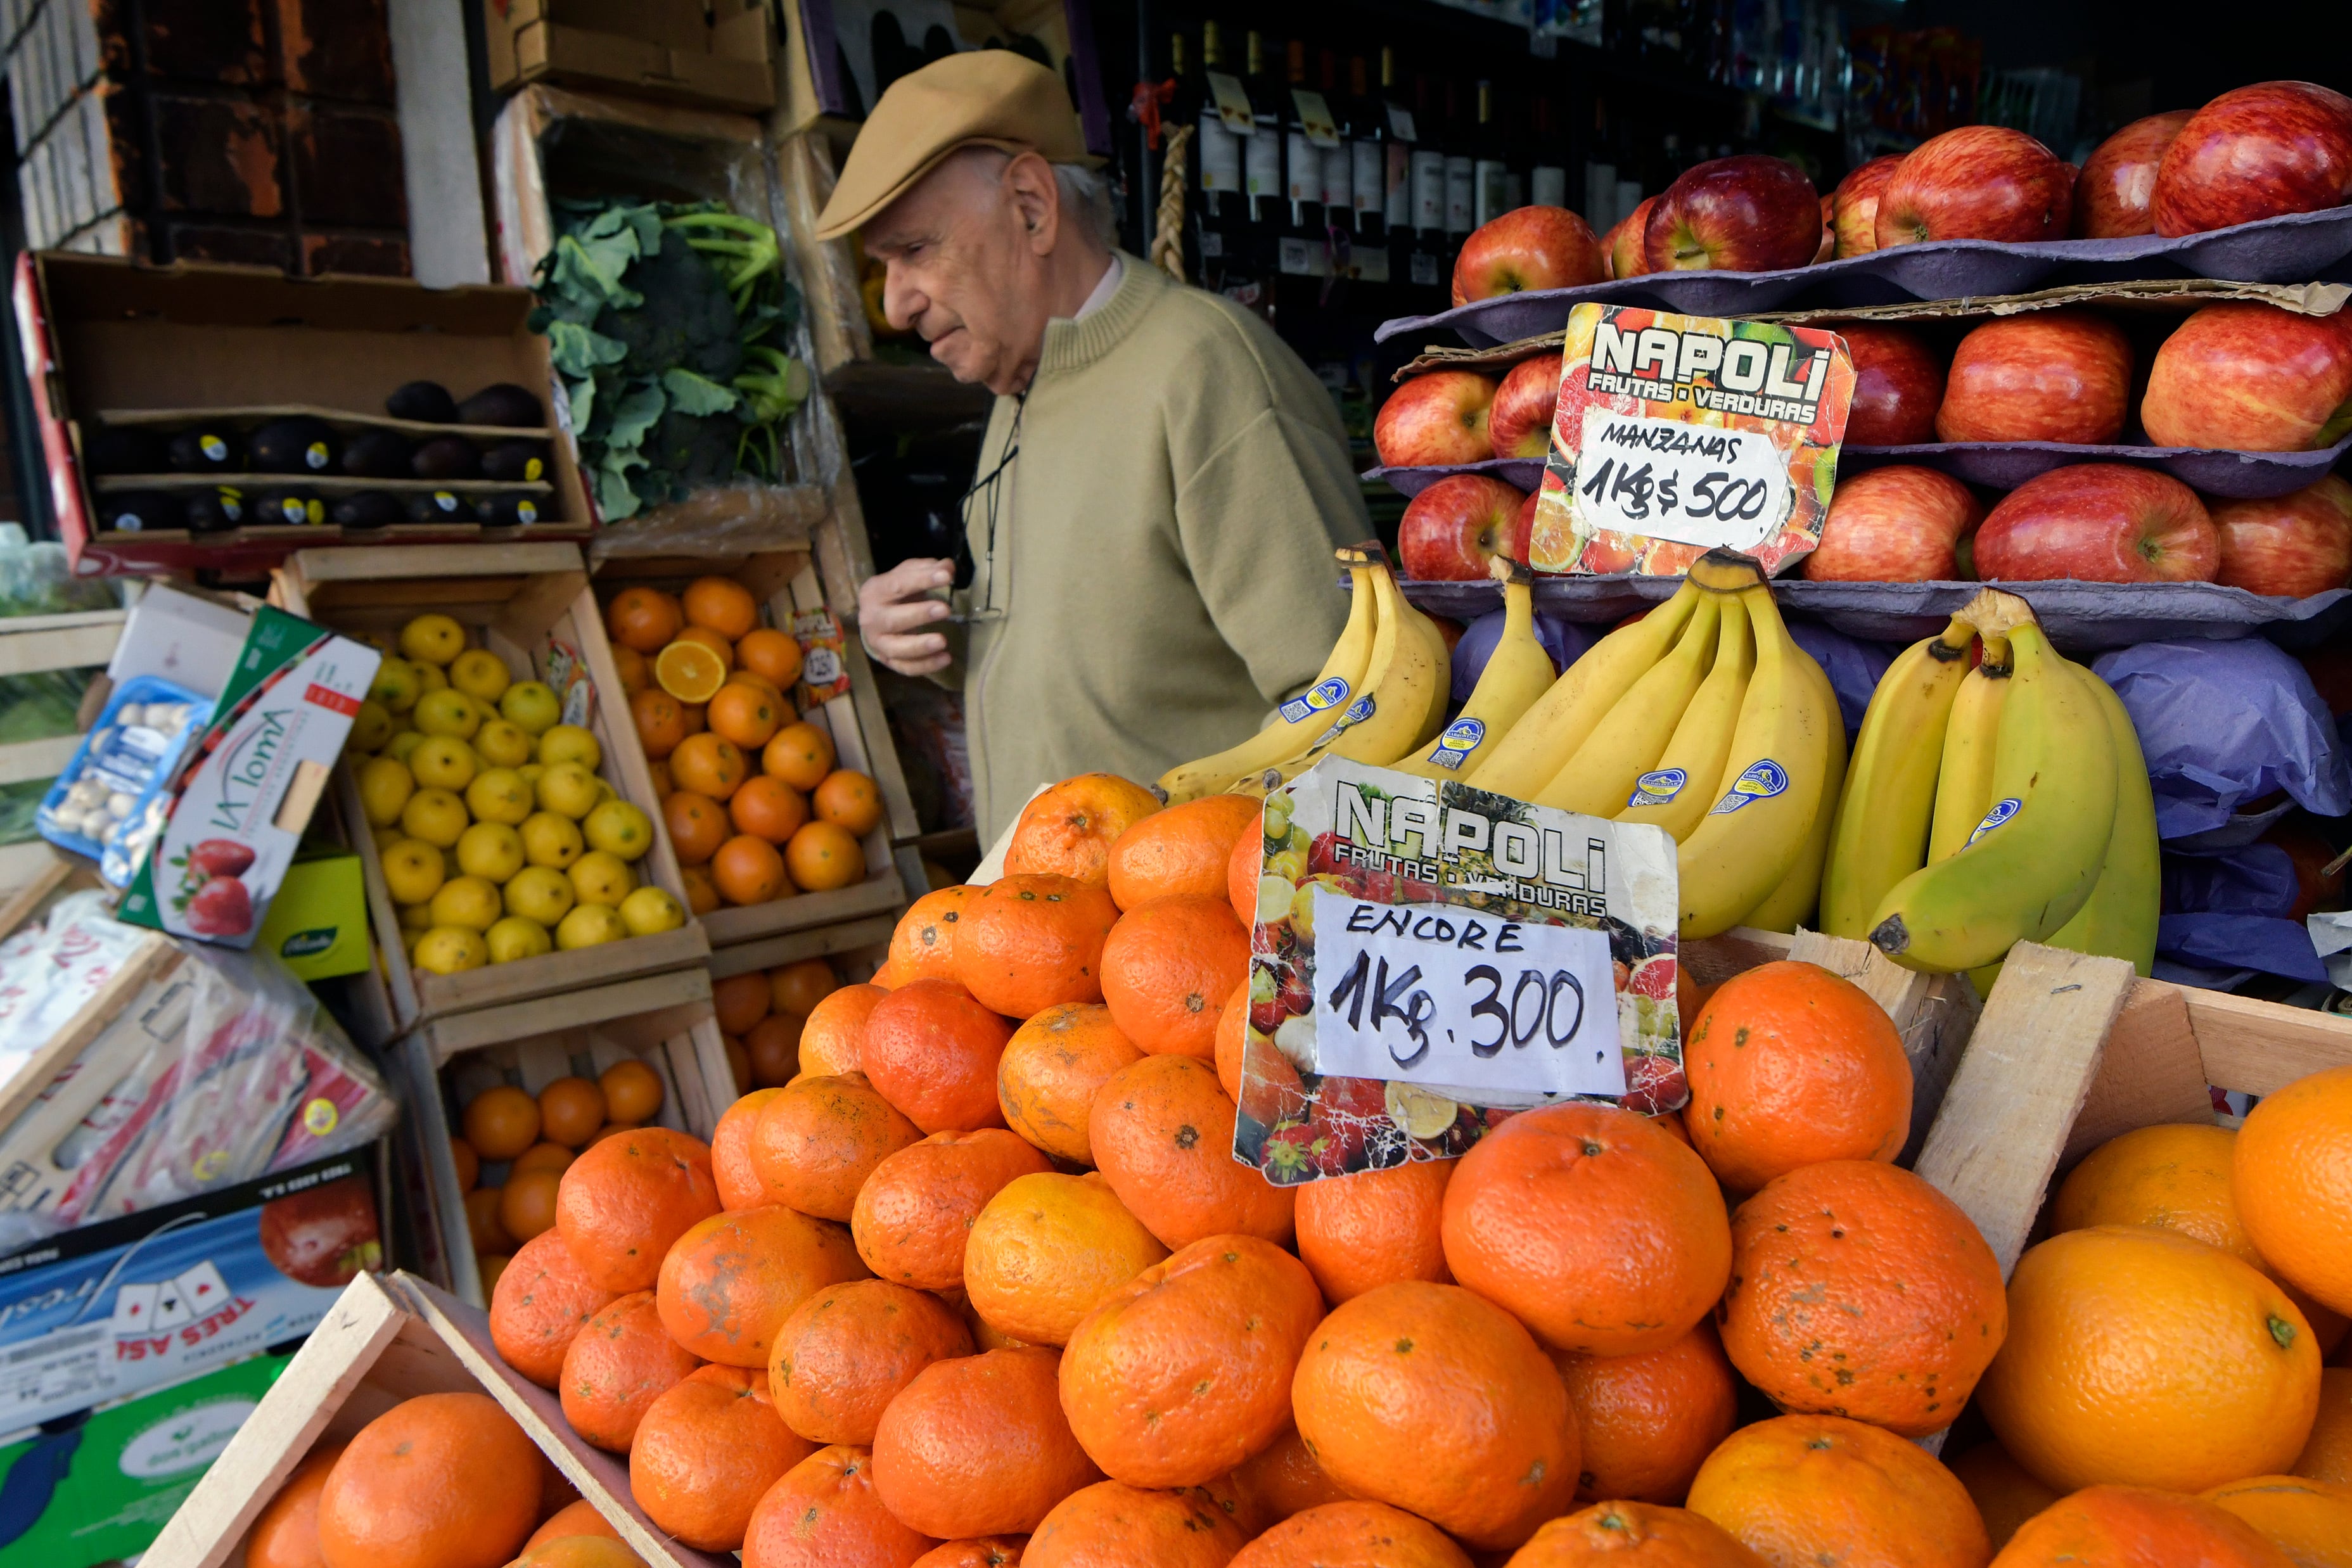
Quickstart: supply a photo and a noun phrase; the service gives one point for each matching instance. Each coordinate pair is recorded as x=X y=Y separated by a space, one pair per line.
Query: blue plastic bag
x=1853 y=665
x=1565 y=641
x=2234 y=912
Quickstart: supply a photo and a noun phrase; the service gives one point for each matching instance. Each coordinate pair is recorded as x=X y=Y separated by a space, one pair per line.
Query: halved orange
x=688 y=671
x=712 y=641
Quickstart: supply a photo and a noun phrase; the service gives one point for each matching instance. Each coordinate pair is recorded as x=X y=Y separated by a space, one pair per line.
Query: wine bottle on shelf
x=1490 y=170
x=1262 y=152
x=1461 y=174
x=1428 y=264
x=1338 y=154
x=1548 y=175
x=1303 y=248
x=1368 y=135
x=1227 y=263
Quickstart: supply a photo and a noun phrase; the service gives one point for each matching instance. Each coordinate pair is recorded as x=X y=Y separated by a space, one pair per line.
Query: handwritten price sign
x=1441 y=995
x=1697 y=485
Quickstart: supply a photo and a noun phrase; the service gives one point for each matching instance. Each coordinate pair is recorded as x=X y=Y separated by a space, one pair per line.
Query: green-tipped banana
x=1972 y=742
x=1889 y=797
x=1304 y=718
x=1773 y=782
x=1548 y=734
x=1792 y=902
x=2118 y=920
x=1517 y=673
x=1676 y=793
x=1599 y=778
x=2035 y=856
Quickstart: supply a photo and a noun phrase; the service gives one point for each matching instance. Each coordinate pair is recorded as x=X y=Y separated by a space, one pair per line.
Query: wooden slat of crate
x=31 y=643
x=792 y=947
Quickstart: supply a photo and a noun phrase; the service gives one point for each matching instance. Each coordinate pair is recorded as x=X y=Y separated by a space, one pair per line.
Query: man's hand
x=893 y=613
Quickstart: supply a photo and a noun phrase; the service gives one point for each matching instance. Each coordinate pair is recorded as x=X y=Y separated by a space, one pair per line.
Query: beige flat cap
x=984 y=97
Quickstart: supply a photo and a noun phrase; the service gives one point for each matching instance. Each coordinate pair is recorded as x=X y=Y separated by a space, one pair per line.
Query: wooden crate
x=391 y=1338
x=511 y=597
x=33 y=644
x=786 y=583
x=663 y=1021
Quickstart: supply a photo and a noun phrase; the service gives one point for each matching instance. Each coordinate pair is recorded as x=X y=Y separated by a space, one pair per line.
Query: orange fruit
x=1426 y=1397
x=542 y=1156
x=1791 y=1065
x=798 y=988
x=2005 y=1496
x=1183 y=1372
x=739 y=1000
x=1374 y=1227
x=818 y=1140
x=923 y=943
x=691 y=671
x=978 y=1444
x=1609 y=1534
x=1233 y=1040
x=744 y=715
x=2292 y=1179
x=982 y=1551
x=1283 y=1478
x=625 y=1199
x=633 y=1091
x=490 y=1234
x=1162 y=1133
x=643 y=619
x=636 y=673
x=1796 y=1489
x=527 y=1203
x=2141 y=1357
x=2130 y=1526
x=693 y=713
x=1167 y=969
x=1859 y=1290
x=1029 y=942
x=571 y=1109
x=1181 y=852
x=704 y=1452
x=773 y=655
x=849 y=801
x=728 y=1283
x=748 y=870
x=501 y=1121
x=771 y=1052
x=708 y=765
x=1599 y=1231
x=430 y=1483
x=660 y=720
x=1046 y=1249
x=1648 y=1421
x=2309 y=1521
x=469 y=1164
x=2327 y=1457
x=916 y=1210
x=1068 y=830
x=580 y=1551
x=836 y=1029
x=825 y=856
x=844 y=1353
x=620 y=1361
x=824 y=1511
x=722 y=603
x=701 y=891
x=1113 y=1525
x=1051 y=1070
x=801 y=754
x=1349 y=1535
x=731 y=1170
x=931 y=1050
x=738 y=1063
x=767 y=808
x=1242 y=877
x=658 y=771
x=578 y=1517
x=285 y=1532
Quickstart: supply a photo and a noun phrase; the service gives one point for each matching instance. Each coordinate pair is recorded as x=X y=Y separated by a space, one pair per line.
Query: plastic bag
x=1564 y=640
x=2235 y=912
x=1853 y=665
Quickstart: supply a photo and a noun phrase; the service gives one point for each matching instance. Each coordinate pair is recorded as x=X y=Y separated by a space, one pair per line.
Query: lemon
x=370 y=727
x=434 y=815
x=412 y=870
x=448 y=712
x=619 y=827
x=430 y=678
x=588 y=926
x=384 y=788
x=568 y=787
x=528 y=773
x=415 y=919
x=531 y=706
x=540 y=894
x=651 y=909
x=499 y=795
x=396 y=686
x=502 y=744
x=550 y=839
x=471 y=902
x=605 y=793
x=443 y=762
x=404 y=744
x=489 y=850
x=570 y=743
x=599 y=877
x=480 y=675
x=515 y=937
x=451 y=949
x=432 y=639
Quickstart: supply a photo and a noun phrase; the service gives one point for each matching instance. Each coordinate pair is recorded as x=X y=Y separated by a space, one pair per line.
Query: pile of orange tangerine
x=756 y=808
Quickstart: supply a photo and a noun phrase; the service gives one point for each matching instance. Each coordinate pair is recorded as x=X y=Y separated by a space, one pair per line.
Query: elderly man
x=1162 y=481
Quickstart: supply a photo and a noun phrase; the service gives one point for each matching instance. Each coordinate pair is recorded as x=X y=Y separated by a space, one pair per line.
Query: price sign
x=1441 y=995
x=1691 y=484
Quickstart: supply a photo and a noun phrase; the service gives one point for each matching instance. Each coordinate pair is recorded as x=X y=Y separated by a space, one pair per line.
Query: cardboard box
x=665 y=49
x=317 y=925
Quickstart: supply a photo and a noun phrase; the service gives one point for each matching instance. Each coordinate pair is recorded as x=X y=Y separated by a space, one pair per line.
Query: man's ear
x=1037 y=198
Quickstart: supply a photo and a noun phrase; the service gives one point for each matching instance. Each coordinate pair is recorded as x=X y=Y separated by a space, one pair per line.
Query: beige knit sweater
x=1160 y=573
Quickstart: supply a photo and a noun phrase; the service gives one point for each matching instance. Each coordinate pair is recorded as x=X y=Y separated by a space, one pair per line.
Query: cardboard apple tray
x=389 y=1338
x=524 y=602
x=2068 y=1051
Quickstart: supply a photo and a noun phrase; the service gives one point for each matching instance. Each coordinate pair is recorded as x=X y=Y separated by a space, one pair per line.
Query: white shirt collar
x=1103 y=289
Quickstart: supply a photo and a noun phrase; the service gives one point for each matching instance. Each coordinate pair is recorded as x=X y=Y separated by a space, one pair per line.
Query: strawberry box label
x=248 y=783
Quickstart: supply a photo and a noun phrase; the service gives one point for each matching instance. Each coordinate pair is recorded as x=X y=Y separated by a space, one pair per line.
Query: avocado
x=206 y=448
x=366 y=510
x=447 y=458
x=378 y=454
x=298 y=444
x=515 y=460
x=439 y=506
x=130 y=449
x=507 y=511
x=427 y=403
x=289 y=507
x=217 y=510
x=503 y=403
x=141 y=512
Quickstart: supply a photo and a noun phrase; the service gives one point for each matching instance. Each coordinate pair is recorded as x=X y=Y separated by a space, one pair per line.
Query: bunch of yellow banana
x=1994 y=805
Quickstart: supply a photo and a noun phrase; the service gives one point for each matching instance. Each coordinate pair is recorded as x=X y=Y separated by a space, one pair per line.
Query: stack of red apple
x=1450 y=419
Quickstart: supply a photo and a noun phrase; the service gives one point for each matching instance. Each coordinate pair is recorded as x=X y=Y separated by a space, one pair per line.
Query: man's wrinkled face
x=962 y=268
